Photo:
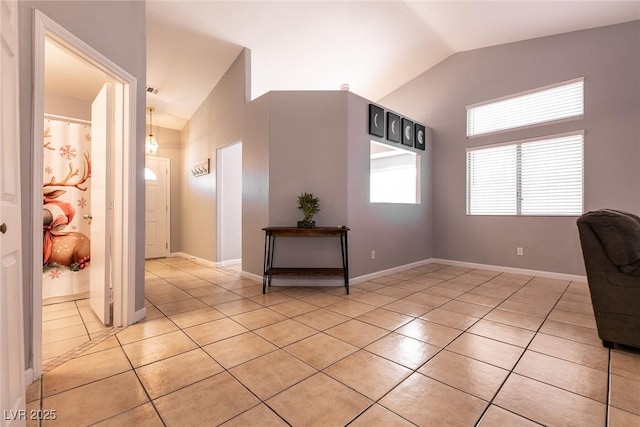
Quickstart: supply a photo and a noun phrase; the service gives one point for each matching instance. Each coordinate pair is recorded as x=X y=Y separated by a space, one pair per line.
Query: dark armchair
x=610 y=243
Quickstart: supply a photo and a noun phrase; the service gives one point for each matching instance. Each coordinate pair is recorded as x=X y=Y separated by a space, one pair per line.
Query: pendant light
x=150 y=143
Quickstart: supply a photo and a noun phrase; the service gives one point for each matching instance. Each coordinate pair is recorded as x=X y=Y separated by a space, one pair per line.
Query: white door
x=229 y=177
x=156 y=208
x=12 y=371
x=101 y=144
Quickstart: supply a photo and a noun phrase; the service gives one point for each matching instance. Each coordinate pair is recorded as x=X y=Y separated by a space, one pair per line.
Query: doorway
x=229 y=207
x=112 y=116
x=157 y=219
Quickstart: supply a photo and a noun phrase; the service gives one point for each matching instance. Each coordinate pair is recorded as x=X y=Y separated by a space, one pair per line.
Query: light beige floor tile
x=409 y=308
x=62 y=334
x=49 y=308
x=409 y=398
x=350 y=308
x=579 y=379
x=285 y=332
x=326 y=403
x=403 y=350
x=321 y=319
x=368 y=374
x=258 y=318
x=181 y=306
x=105 y=344
x=232 y=308
x=626 y=364
x=446 y=291
x=172 y=295
x=140 y=416
x=575 y=307
x=386 y=319
x=63 y=322
x=85 y=369
x=467 y=308
x=146 y=329
x=239 y=349
x=377 y=415
x=571 y=332
x=469 y=375
x=502 y=332
x=549 y=405
x=357 y=333
x=525 y=308
x=211 y=401
x=153 y=313
x=59 y=314
x=168 y=375
x=59 y=348
x=498 y=417
x=619 y=418
x=323 y=299
x=518 y=320
x=579 y=319
x=374 y=299
x=486 y=350
x=272 y=373
x=486 y=300
x=157 y=348
x=89 y=404
x=196 y=317
x=572 y=351
x=333 y=350
x=210 y=289
x=220 y=298
x=427 y=298
x=450 y=319
x=429 y=332
x=33 y=391
x=293 y=308
x=271 y=298
x=258 y=416
x=216 y=330
x=625 y=394
x=393 y=291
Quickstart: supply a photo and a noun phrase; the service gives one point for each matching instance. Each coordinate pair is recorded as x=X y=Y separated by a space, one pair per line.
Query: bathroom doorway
x=80 y=86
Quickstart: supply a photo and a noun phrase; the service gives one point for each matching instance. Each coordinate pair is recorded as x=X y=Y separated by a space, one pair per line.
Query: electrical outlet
x=373 y=254
x=519 y=251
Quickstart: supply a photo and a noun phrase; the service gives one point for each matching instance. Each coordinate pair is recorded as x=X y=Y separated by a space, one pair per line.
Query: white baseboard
x=251 y=276
x=388 y=271
x=139 y=315
x=28 y=377
x=526 y=272
x=206 y=262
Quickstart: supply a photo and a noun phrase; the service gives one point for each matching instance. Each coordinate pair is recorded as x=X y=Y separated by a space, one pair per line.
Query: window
x=149 y=175
x=562 y=101
x=534 y=177
x=394 y=175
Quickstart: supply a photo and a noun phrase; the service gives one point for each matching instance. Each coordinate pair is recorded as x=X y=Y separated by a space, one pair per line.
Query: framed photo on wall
x=376 y=121
x=393 y=127
x=420 y=137
x=407 y=132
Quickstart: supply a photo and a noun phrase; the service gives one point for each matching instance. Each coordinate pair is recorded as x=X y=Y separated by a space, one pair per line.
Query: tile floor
x=430 y=346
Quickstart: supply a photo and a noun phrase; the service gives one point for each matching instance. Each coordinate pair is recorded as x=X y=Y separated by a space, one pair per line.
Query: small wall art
x=420 y=137
x=376 y=121
x=407 y=132
x=393 y=127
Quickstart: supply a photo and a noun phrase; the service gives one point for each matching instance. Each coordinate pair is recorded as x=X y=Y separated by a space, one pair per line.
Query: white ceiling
x=375 y=47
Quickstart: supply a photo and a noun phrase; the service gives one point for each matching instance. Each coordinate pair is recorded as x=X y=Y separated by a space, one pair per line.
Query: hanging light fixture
x=150 y=143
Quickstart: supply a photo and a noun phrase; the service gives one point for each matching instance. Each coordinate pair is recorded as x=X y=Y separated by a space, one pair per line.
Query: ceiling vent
x=153 y=90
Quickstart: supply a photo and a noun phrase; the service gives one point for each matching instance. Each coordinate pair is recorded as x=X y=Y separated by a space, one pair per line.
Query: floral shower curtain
x=66 y=199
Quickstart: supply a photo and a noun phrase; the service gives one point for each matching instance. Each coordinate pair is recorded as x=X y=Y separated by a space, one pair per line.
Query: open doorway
x=229 y=179
x=76 y=87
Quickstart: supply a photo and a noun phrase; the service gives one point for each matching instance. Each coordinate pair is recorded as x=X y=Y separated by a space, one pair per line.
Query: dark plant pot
x=306 y=224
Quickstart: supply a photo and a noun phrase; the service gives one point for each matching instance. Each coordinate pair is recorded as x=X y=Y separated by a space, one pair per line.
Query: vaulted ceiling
x=373 y=46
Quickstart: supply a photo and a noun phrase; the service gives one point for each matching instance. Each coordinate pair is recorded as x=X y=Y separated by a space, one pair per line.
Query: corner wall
x=218 y=121
x=609 y=59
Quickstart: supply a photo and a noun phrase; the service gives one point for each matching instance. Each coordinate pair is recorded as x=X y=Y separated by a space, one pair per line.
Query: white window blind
x=536 y=177
x=562 y=101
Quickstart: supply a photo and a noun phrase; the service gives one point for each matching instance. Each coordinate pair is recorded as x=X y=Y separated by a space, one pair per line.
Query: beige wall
x=609 y=60
x=218 y=121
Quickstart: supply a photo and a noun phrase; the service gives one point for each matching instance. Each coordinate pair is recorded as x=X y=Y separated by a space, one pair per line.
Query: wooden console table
x=269 y=245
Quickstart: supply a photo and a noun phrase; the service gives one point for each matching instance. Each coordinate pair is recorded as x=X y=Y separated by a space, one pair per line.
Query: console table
x=269 y=246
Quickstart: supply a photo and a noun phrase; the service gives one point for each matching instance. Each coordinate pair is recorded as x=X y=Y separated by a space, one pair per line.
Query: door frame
x=220 y=235
x=124 y=172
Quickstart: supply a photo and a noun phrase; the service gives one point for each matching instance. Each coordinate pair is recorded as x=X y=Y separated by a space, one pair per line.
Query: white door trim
x=124 y=188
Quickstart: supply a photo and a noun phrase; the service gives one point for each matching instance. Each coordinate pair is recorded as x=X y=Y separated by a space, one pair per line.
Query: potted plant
x=309 y=206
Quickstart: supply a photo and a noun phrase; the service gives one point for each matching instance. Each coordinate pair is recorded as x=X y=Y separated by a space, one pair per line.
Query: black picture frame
x=407 y=132
x=376 y=121
x=420 y=137
x=393 y=127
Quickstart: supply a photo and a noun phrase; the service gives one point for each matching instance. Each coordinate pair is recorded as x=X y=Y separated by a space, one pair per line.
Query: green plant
x=309 y=206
